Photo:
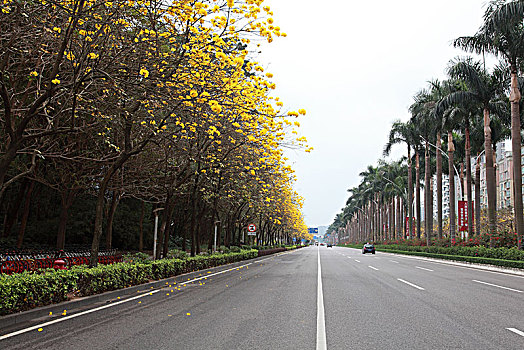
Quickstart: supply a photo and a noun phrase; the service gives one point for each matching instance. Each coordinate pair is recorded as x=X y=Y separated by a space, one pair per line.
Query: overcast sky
x=355 y=67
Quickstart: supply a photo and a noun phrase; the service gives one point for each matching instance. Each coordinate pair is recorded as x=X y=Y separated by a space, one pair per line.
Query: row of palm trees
x=476 y=108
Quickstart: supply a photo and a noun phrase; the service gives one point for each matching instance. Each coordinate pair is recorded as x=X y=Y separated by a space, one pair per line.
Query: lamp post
x=216 y=227
x=444 y=154
x=156 y=231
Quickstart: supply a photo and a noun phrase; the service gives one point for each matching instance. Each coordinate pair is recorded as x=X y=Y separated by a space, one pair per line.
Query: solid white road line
x=423 y=268
x=495 y=285
x=393 y=261
x=42 y=325
x=411 y=284
x=371 y=267
x=516 y=331
x=321 y=321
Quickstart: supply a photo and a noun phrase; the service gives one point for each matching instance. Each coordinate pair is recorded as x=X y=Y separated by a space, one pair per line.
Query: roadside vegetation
x=455 y=128
x=115 y=113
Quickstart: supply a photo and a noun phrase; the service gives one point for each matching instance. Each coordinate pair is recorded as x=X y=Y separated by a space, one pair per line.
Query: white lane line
x=495 y=285
x=411 y=284
x=371 y=267
x=357 y=260
x=516 y=331
x=42 y=325
x=393 y=261
x=423 y=268
x=25 y=330
x=321 y=321
x=349 y=257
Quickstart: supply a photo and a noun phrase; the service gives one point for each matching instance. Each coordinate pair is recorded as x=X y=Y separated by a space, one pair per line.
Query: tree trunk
x=452 y=216
x=477 y=196
x=410 y=197
x=66 y=202
x=141 y=228
x=490 y=176
x=471 y=230
x=25 y=214
x=514 y=98
x=427 y=192
x=110 y=216
x=417 y=199
x=439 y=186
x=12 y=213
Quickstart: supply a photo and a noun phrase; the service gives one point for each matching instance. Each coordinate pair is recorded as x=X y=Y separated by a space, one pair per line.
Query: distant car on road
x=321 y=243
x=316 y=243
x=329 y=245
x=368 y=248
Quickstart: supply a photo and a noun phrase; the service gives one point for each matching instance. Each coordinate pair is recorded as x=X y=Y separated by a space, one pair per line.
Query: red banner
x=463 y=215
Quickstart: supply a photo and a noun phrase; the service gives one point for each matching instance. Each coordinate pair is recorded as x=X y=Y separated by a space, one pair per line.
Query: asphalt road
x=367 y=301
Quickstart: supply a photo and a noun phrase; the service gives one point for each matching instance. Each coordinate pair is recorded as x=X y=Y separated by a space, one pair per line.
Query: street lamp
x=443 y=153
x=216 y=224
x=156 y=231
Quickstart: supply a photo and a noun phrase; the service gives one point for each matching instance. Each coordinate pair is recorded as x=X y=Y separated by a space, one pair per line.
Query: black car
x=368 y=248
x=329 y=245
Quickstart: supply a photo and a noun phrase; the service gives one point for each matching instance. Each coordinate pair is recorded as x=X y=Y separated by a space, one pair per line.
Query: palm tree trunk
x=452 y=217
x=427 y=192
x=417 y=199
x=477 y=197
x=471 y=230
x=439 y=186
x=490 y=176
x=410 y=197
x=514 y=98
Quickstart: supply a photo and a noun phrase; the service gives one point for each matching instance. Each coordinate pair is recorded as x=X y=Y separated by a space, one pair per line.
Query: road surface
x=311 y=298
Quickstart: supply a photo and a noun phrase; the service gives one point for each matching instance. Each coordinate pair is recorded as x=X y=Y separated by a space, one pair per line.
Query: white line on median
x=495 y=285
x=411 y=284
x=321 y=321
x=423 y=268
x=516 y=331
x=42 y=325
x=371 y=267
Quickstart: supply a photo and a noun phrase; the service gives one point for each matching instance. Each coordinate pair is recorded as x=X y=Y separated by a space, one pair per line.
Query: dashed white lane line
x=393 y=261
x=516 y=331
x=321 y=321
x=357 y=260
x=410 y=284
x=502 y=287
x=423 y=268
x=371 y=267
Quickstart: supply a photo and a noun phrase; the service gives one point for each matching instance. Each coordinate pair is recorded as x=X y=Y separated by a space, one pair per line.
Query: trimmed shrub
x=27 y=290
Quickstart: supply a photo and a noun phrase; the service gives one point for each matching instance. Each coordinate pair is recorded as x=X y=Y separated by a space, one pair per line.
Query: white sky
x=355 y=67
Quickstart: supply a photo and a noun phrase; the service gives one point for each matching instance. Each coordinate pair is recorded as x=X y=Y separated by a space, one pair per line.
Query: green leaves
x=27 y=290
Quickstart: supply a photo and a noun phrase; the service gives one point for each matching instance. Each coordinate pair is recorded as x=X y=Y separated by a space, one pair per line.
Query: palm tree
x=404 y=133
x=483 y=91
x=502 y=35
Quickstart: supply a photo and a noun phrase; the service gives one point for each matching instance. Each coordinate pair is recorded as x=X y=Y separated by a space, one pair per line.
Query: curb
x=42 y=313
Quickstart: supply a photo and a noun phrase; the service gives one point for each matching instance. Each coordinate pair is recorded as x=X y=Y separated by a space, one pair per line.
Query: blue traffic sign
x=312 y=229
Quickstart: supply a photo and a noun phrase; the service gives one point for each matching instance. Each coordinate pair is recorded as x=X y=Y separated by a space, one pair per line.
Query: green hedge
x=471 y=259
x=478 y=251
x=27 y=290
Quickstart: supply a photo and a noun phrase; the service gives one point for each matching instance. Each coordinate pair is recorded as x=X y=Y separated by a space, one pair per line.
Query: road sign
x=252 y=228
x=312 y=230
